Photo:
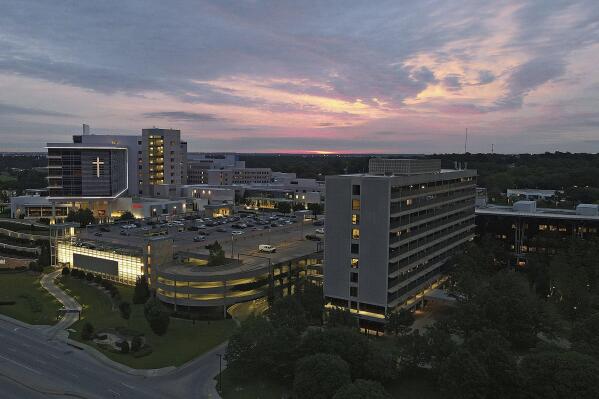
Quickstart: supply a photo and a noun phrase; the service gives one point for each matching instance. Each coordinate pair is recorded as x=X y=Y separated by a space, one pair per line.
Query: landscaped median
x=184 y=340
x=23 y=298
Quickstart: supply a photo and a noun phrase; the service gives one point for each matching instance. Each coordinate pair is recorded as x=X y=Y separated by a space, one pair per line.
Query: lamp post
x=220 y=373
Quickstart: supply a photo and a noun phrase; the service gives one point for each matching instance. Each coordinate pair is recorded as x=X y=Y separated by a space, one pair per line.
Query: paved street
x=34 y=366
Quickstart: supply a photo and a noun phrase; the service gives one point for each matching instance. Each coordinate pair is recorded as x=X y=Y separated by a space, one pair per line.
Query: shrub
x=124 y=345
x=89 y=276
x=97 y=279
x=157 y=316
x=141 y=293
x=136 y=343
x=319 y=376
x=87 y=332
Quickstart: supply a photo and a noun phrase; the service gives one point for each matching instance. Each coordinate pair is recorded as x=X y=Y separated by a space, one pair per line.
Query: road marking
x=128 y=386
x=21 y=364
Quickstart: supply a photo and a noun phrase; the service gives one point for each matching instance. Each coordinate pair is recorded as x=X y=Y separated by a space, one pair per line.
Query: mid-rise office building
x=224 y=169
x=163 y=160
x=390 y=232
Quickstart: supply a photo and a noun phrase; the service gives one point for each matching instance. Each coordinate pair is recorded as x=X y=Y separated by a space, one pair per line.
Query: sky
x=305 y=76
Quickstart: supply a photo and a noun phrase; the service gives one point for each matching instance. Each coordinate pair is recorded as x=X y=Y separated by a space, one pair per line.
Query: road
x=35 y=366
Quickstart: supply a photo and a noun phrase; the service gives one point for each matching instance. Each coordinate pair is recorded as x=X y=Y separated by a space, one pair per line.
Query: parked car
x=98 y=234
x=104 y=229
x=318 y=223
x=319 y=231
x=266 y=248
x=124 y=233
x=199 y=238
x=237 y=232
x=222 y=230
x=313 y=237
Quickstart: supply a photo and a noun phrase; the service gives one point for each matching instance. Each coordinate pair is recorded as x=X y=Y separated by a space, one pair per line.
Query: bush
x=87 y=332
x=157 y=316
x=136 y=343
x=66 y=271
x=125 y=310
x=124 y=346
x=362 y=389
x=89 y=276
x=97 y=279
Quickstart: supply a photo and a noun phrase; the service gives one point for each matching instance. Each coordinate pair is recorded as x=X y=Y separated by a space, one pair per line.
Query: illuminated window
x=355 y=234
x=354 y=263
x=409 y=202
x=355 y=204
x=355 y=219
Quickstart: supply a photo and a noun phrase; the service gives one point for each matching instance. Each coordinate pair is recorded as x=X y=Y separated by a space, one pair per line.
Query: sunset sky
x=305 y=76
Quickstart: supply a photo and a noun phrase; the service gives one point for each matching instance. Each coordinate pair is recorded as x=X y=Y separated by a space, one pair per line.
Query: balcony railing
x=408 y=220
x=400 y=207
x=415 y=232
x=407 y=193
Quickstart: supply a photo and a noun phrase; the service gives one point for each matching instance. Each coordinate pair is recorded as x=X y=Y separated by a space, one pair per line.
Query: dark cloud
x=452 y=82
x=527 y=77
x=423 y=74
x=7 y=109
x=485 y=77
x=184 y=116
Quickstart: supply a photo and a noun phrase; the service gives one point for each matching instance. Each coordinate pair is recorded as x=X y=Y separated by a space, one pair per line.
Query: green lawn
x=238 y=386
x=34 y=305
x=183 y=341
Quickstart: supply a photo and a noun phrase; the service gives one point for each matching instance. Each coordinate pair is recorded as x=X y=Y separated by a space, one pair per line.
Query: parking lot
x=239 y=236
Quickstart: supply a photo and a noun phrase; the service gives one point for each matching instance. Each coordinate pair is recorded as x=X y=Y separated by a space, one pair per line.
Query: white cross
x=97 y=162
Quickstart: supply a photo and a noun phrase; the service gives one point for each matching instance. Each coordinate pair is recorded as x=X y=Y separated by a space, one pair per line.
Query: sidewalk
x=68 y=302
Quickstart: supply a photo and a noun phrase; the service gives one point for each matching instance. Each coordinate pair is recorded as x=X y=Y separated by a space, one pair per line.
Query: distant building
x=531 y=194
x=520 y=225
x=163 y=160
x=390 y=232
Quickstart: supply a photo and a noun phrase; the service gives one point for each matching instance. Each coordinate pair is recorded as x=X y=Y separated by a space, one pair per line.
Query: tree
x=494 y=353
x=125 y=310
x=127 y=216
x=320 y=376
x=283 y=207
x=399 y=322
x=317 y=209
x=288 y=312
x=297 y=206
x=462 y=376
x=216 y=256
x=350 y=345
x=585 y=336
x=157 y=316
x=87 y=331
x=81 y=216
x=141 y=292
x=554 y=375
x=362 y=389
x=340 y=317
x=312 y=300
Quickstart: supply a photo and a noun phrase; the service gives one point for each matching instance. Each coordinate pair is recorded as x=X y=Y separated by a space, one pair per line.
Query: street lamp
x=220 y=373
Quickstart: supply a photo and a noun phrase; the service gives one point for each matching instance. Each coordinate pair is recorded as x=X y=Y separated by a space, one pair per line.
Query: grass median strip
x=183 y=341
x=32 y=303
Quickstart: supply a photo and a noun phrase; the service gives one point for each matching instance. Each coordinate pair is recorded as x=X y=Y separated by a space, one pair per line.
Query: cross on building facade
x=97 y=162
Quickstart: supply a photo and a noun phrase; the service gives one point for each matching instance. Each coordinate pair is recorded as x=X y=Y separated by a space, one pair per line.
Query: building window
x=354 y=263
x=355 y=219
x=355 y=205
x=353 y=291
x=355 y=248
x=409 y=202
x=353 y=277
x=355 y=189
x=355 y=234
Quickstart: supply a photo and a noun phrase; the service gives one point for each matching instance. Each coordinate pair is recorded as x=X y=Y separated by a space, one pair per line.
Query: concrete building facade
x=390 y=232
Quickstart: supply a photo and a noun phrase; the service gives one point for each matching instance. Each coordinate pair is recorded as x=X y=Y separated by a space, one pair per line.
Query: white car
x=237 y=232
x=266 y=248
x=319 y=231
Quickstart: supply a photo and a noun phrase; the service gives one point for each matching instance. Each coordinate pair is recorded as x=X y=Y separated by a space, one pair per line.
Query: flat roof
x=502 y=210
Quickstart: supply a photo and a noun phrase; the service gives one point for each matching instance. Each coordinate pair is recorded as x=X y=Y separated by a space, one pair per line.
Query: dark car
x=313 y=237
x=104 y=229
x=318 y=223
x=222 y=230
x=98 y=234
